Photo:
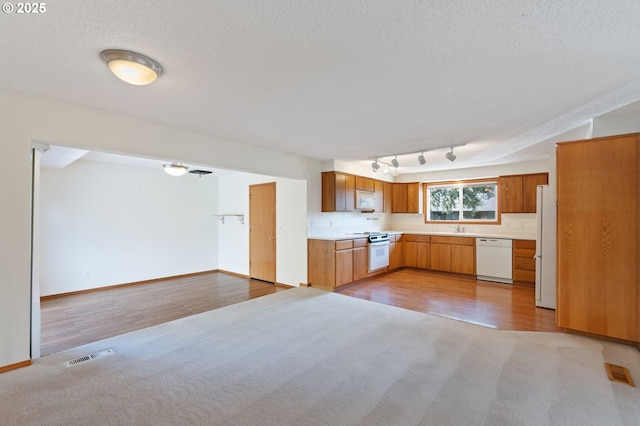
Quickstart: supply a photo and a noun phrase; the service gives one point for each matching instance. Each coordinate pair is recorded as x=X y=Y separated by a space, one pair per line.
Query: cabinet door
x=410 y=254
x=529 y=185
x=349 y=193
x=399 y=202
x=413 y=196
x=388 y=197
x=441 y=257
x=510 y=188
x=344 y=266
x=393 y=256
x=463 y=259
x=364 y=183
x=360 y=263
x=424 y=255
x=328 y=192
x=378 y=204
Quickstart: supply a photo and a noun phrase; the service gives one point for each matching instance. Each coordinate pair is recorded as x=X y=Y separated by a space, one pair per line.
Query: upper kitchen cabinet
x=518 y=192
x=404 y=198
x=598 y=252
x=364 y=183
x=338 y=192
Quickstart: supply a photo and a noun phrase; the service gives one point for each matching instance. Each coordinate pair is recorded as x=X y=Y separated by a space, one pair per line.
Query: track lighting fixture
x=450 y=155
x=421 y=159
x=391 y=167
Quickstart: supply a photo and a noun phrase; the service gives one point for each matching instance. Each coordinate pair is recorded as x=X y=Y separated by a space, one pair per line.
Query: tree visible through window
x=474 y=202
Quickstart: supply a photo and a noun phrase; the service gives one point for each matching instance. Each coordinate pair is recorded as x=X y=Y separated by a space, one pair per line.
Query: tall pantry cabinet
x=598 y=193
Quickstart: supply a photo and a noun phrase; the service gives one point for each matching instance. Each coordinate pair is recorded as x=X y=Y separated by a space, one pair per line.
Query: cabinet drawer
x=344 y=244
x=525 y=264
x=524 y=253
x=417 y=238
x=524 y=244
x=360 y=242
x=526 y=276
x=467 y=241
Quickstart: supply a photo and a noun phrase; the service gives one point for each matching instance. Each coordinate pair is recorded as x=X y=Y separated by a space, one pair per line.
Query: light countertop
x=348 y=236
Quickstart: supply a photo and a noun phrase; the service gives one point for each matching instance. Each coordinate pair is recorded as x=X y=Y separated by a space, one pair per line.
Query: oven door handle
x=380 y=243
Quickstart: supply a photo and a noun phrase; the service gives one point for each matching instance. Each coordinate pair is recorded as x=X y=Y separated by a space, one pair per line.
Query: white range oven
x=378 y=251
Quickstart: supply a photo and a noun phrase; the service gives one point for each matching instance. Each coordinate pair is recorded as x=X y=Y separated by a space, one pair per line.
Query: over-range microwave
x=365 y=200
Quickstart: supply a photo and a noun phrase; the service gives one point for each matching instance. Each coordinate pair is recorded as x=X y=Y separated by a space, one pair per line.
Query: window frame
x=461 y=184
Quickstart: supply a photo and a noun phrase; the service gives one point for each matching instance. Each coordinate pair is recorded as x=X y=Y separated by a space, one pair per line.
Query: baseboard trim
x=235 y=274
x=15 y=366
x=155 y=280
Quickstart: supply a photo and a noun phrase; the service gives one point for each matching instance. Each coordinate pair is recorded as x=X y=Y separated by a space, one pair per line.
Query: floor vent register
x=618 y=374
x=90 y=357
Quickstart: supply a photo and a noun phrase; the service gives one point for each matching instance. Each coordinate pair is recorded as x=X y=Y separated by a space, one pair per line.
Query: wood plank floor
x=73 y=320
x=77 y=319
x=500 y=306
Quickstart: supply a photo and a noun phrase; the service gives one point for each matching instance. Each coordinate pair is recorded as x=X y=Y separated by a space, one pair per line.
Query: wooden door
x=597 y=254
x=262 y=232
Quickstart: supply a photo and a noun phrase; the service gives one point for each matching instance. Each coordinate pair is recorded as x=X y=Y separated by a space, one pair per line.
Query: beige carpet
x=307 y=357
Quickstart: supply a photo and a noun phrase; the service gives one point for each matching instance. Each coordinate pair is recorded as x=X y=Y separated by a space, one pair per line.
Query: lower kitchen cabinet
x=416 y=251
x=333 y=263
x=396 y=250
x=446 y=254
x=453 y=254
x=524 y=263
x=463 y=258
x=344 y=267
x=360 y=259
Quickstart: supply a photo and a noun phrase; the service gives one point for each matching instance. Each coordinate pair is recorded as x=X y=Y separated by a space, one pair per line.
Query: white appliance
x=494 y=258
x=378 y=251
x=545 y=248
x=365 y=200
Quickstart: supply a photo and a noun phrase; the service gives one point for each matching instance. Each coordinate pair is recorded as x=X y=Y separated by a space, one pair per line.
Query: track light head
x=394 y=162
x=375 y=166
x=421 y=159
x=450 y=155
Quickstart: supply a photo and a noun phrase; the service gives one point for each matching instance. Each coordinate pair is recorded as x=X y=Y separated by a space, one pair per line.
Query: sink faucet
x=457 y=228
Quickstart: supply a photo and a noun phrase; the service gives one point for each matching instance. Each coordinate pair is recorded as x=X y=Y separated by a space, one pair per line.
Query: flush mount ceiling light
x=450 y=155
x=375 y=166
x=175 y=169
x=132 y=67
x=421 y=159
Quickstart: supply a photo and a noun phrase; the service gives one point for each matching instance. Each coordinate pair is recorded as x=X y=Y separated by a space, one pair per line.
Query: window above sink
x=462 y=202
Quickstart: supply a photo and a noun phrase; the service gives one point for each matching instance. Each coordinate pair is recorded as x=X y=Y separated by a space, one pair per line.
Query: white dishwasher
x=494 y=260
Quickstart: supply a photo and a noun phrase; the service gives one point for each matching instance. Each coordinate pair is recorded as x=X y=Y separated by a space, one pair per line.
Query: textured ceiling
x=343 y=79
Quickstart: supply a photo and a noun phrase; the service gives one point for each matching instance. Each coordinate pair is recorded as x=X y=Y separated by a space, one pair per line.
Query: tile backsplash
x=331 y=224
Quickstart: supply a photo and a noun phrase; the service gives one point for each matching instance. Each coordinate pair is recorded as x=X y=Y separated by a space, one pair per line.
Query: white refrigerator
x=545 y=247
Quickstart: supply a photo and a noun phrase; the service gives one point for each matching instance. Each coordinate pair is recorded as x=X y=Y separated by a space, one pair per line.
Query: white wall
x=616 y=124
x=105 y=224
x=25 y=118
x=291 y=236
